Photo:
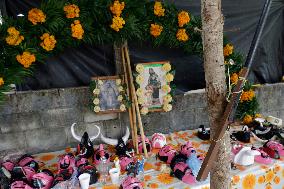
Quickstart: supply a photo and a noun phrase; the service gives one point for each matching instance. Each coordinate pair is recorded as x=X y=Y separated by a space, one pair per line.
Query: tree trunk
x=212 y=34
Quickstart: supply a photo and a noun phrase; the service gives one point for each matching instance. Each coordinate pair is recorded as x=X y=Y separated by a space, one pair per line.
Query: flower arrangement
x=77 y=30
x=14 y=38
x=26 y=59
x=48 y=42
x=234 y=78
x=147 y=96
x=182 y=35
x=158 y=9
x=247 y=95
x=117 y=23
x=71 y=11
x=156 y=30
x=183 y=18
x=36 y=16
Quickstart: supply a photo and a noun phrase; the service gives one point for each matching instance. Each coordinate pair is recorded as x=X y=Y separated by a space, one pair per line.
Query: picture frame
x=153 y=89
x=108 y=94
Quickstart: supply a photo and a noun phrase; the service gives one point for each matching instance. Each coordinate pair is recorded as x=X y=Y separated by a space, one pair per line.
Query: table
x=256 y=176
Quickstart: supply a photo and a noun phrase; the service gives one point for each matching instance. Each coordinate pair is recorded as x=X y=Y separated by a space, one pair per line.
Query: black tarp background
x=74 y=67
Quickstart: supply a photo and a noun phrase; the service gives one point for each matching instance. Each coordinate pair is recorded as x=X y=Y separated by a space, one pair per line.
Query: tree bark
x=212 y=35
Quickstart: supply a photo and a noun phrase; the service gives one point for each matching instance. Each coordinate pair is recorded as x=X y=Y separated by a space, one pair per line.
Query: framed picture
x=153 y=80
x=108 y=94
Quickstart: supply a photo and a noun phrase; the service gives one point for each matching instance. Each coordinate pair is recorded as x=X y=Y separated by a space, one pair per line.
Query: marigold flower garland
x=77 y=30
x=48 y=42
x=117 y=23
x=26 y=59
x=71 y=11
x=116 y=8
x=36 y=16
x=228 y=50
x=158 y=9
x=14 y=38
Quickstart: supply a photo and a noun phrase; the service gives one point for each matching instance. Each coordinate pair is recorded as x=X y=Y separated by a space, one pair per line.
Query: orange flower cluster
x=48 y=42
x=156 y=30
x=116 y=8
x=247 y=95
x=36 y=16
x=77 y=30
x=247 y=119
x=228 y=50
x=26 y=59
x=14 y=37
x=71 y=11
x=234 y=78
x=183 y=18
x=117 y=23
x=158 y=9
x=1 y=81
x=182 y=35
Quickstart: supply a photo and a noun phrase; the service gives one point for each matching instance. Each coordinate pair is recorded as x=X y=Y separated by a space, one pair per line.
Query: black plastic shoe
x=242 y=136
x=203 y=133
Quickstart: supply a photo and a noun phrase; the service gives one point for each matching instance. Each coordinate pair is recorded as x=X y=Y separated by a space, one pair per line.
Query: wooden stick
x=213 y=149
x=135 y=101
x=134 y=138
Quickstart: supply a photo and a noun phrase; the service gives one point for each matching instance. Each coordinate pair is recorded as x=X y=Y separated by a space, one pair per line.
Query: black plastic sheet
x=75 y=67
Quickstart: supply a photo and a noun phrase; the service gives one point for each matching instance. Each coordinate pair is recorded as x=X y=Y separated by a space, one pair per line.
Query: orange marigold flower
x=14 y=38
x=276 y=180
x=249 y=181
x=268 y=187
x=117 y=23
x=247 y=119
x=158 y=9
x=228 y=50
x=77 y=30
x=153 y=185
x=269 y=176
x=71 y=11
x=165 y=178
x=26 y=59
x=236 y=179
x=182 y=35
x=156 y=30
x=1 y=81
x=183 y=18
x=234 y=78
x=48 y=42
x=116 y=8
x=36 y=16
x=260 y=180
x=247 y=95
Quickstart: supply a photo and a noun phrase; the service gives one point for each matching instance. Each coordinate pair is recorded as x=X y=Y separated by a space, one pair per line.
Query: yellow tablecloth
x=256 y=176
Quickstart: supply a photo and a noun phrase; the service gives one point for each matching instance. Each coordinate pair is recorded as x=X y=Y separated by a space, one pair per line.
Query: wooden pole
x=135 y=99
x=131 y=110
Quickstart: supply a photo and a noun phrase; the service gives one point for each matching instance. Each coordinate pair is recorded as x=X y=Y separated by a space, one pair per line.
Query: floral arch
x=58 y=24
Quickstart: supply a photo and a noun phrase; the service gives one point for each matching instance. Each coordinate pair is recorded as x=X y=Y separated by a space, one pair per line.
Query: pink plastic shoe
x=166 y=154
x=275 y=146
x=263 y=158
x=184 y=173
x=236 y=148
x=187 y=149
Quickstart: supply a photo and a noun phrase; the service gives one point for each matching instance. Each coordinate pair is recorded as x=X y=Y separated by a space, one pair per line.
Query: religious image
x=154 y=86
x=108 y=95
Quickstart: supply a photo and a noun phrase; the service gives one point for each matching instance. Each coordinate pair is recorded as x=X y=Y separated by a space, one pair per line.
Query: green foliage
x=96 y=18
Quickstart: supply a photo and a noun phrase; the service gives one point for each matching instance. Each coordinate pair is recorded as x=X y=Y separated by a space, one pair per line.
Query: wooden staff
x=130 y=110
x=135 y=100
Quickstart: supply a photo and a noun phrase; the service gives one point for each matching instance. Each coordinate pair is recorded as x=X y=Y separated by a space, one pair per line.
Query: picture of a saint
x=153 y=87
x=108 y=96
